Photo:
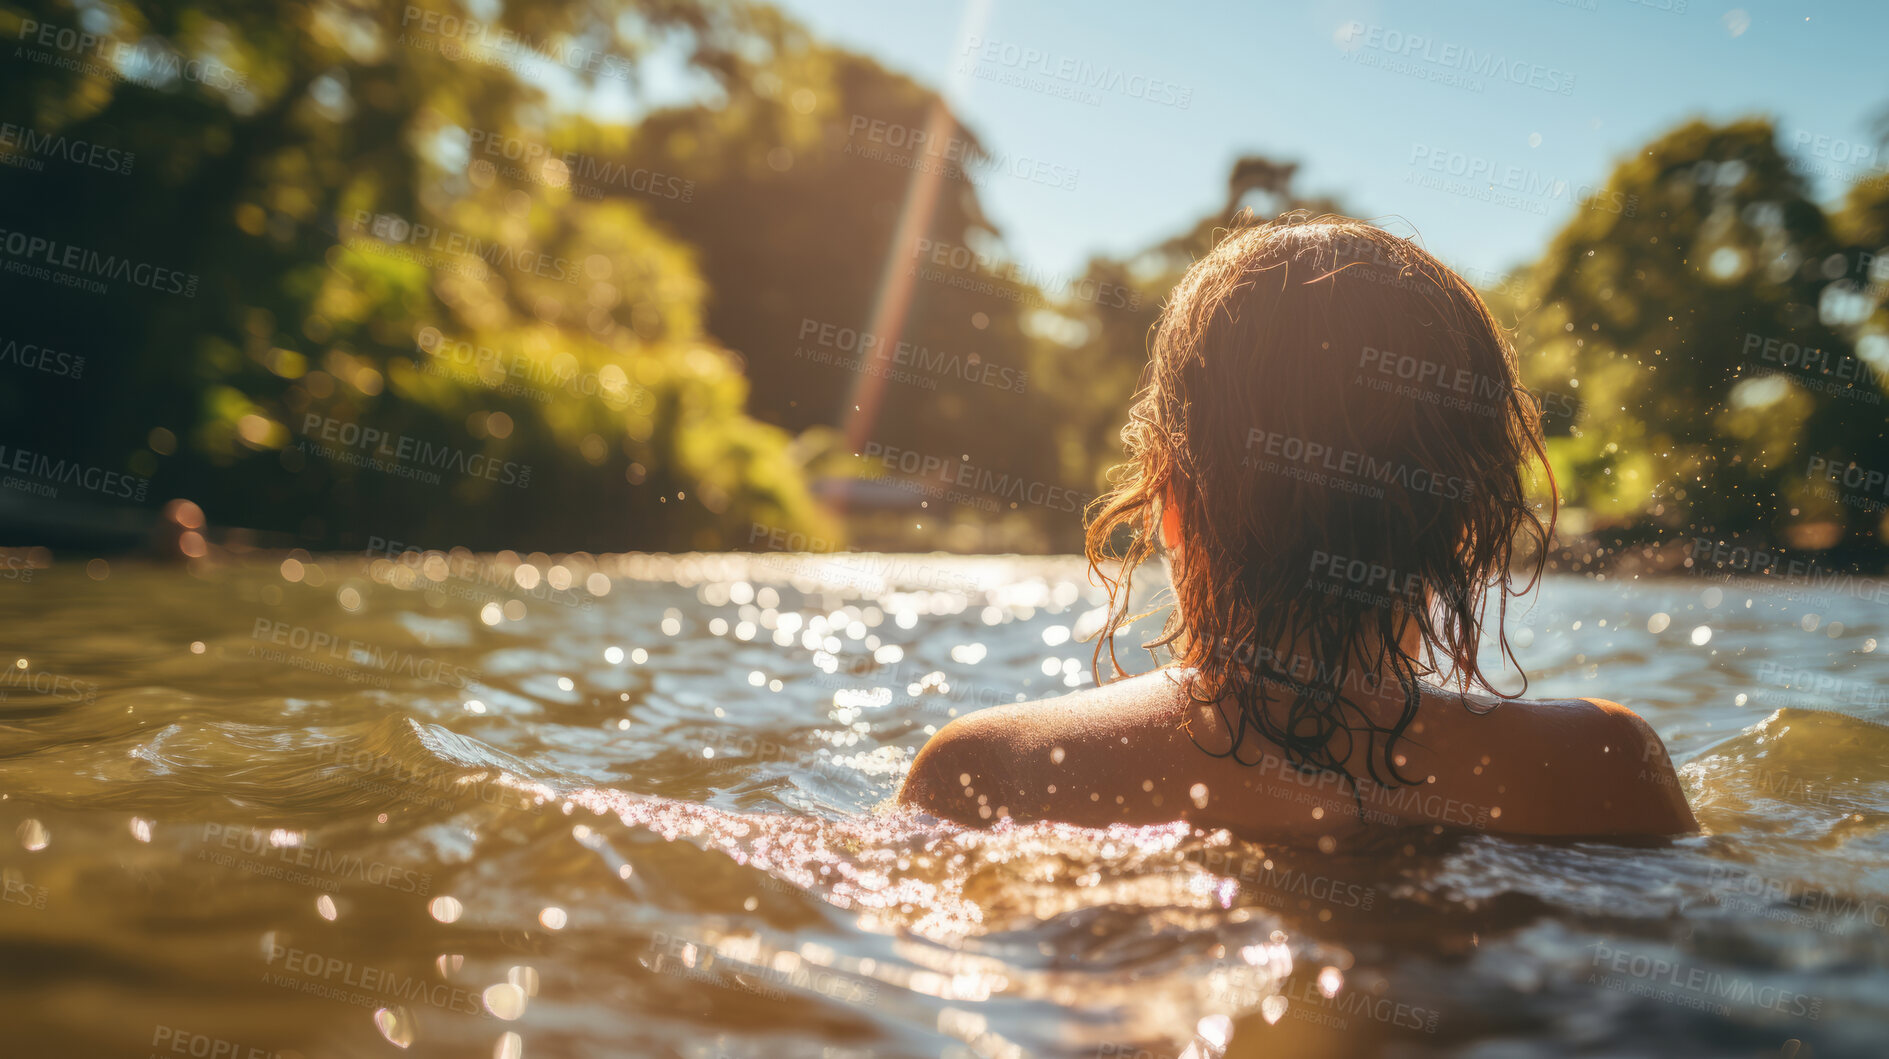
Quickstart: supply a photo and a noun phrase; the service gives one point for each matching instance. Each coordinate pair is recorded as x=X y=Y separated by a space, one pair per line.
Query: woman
x=1332 y=447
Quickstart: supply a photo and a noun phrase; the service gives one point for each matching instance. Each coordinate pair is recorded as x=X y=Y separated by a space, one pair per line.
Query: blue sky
x=1409 y=110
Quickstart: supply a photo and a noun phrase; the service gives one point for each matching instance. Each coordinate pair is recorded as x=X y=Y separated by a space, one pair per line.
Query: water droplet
x=613 y=655
x=326 y=906
x=1216 y=1030
x=1659 y=622
x=396 y=1025
x=140 y=829
x=1274 y=1008
x=446 y=909
x=505 y=1001
x=553 y=918
x=1198 y=792
x=1330 y=980
x=510 y=1045
x=33 y=835
x=1702 y=635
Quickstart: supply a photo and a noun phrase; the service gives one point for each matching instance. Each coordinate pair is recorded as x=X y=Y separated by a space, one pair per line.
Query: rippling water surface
x=636 y=806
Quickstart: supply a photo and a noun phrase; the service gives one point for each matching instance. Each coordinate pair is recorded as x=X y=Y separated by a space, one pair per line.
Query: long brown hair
x=1342 y=429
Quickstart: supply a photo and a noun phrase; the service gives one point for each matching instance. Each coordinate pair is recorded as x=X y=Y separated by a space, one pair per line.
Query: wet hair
x=1341 y=425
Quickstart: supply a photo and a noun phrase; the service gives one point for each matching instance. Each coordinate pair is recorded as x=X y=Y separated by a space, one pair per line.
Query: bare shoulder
x=1645 y=769
x=1031 y=759
x=1585 y=766
x=1145 y=751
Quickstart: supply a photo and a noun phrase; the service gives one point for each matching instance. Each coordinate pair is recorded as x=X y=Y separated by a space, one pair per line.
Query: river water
x=493 y=805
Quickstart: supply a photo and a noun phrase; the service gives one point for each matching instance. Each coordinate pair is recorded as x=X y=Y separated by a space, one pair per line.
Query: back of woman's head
x=1339 y=426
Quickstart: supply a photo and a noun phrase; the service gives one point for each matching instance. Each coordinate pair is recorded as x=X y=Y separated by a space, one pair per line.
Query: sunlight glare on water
x=421 y=822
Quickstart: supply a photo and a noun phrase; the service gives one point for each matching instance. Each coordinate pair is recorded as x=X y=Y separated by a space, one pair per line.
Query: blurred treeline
x=624 y=244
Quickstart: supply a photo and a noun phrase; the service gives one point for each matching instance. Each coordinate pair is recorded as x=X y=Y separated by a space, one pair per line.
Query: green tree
x=1664 y=304
x=314 y=166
